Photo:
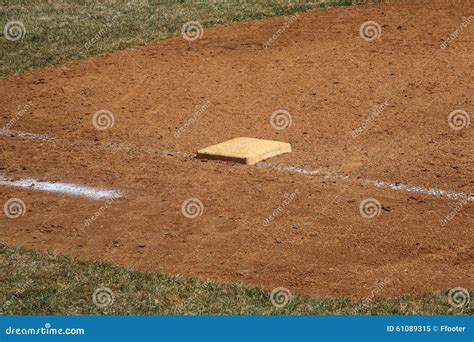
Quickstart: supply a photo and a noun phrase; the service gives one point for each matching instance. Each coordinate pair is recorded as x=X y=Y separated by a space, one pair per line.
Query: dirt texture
x=259 y=225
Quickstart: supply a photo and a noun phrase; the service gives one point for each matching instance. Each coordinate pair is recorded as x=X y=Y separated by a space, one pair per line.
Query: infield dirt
x=172 y=97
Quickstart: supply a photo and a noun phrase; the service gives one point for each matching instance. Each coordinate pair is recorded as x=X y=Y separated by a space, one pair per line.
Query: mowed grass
x=36 y=283
x=62 y=30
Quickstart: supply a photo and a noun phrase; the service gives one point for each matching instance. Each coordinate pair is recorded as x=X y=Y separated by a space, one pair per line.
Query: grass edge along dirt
x=64 y=30
x=40 y=283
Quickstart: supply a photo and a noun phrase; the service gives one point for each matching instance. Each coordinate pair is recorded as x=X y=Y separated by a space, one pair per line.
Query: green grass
x=36 y=283
x=62 y=30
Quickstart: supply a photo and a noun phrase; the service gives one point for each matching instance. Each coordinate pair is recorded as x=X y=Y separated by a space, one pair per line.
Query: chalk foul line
x=63 y=188
x=33 y=136
x=454 y=195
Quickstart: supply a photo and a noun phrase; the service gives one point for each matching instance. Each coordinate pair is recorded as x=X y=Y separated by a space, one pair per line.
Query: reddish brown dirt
x=329 y=79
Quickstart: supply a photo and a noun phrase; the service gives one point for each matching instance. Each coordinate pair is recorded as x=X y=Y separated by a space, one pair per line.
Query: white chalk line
x=435 y=192
x=63 y=188
x=33 y=136
x=455 y=195
x=107 y=146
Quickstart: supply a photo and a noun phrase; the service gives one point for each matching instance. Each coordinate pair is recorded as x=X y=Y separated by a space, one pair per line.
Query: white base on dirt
x=244 y=150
